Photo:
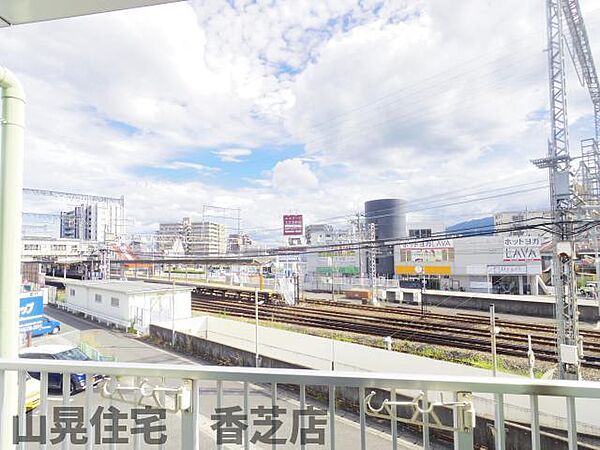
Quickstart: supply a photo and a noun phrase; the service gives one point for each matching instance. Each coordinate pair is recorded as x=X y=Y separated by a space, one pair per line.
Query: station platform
x=523 y=305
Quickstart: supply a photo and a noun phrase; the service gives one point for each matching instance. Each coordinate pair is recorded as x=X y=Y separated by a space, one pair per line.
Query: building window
x=114 y=301
x=420 y=233
x=59 y=248
x=32 y=247
x=98 y=298
x=72 y=292
x=427 y=255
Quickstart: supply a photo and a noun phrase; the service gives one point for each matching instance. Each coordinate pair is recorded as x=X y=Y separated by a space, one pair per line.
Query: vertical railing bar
x=332 y=417
x=137 y=438
x=274 y=404
x=363 y=418
x=162 y=397
x=535 y=423
x=87 y=412
x=2 y=375
x=196 y=414
x=499 y=422
x=44 y=403
x=571 y=423
x=393 y=422
x=302 y=409
x=463 y=439
x=112 y=446
x=21 y=380
x=247 y=412
x=219 y=401
x=66 y=394
x=426 y=443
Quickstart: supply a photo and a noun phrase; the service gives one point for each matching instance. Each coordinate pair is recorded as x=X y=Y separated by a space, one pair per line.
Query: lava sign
x=293 y=225
x=522 y=248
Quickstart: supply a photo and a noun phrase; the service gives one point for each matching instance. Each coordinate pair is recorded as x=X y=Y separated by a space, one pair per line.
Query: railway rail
x=472 y=333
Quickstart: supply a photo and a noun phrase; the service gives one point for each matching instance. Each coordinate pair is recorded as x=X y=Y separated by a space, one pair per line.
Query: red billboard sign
x=293 y=225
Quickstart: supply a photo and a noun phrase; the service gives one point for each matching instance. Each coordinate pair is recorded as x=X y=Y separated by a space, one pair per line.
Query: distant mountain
x=473 y=226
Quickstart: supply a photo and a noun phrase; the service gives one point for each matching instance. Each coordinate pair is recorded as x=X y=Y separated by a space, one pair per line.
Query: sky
x=296 y=106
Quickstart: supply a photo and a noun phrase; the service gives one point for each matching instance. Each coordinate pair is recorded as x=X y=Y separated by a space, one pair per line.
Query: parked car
x=32 y=393
x=59 y=352
x=32 y=319
x=46 y=326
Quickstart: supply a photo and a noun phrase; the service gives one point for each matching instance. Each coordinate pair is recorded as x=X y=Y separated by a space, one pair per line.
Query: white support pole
x=597 y=264
x=173 y=316
x=11 y=186
x=493 y=332
x=256 y=357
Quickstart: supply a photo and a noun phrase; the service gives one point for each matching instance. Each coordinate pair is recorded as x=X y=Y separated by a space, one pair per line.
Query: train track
x=440 y=329
x=466 y=318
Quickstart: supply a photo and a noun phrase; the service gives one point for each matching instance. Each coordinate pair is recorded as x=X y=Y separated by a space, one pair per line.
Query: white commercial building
x=128 y=303
x=500 y=264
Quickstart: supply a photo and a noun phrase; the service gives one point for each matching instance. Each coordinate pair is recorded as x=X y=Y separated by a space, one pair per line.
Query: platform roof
x=17 y=12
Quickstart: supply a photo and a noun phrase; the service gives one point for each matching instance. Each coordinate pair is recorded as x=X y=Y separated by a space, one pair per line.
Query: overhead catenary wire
x=370 y=244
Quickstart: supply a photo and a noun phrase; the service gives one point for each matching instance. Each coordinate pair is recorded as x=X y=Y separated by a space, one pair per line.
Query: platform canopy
x=16 y=12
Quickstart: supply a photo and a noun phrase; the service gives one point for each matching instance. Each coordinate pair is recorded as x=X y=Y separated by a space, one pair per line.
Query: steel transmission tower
x=561 y=14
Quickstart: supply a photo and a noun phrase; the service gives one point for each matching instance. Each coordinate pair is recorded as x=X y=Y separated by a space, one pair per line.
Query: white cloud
x=294 y=175
x=201 y=168
x=233 y=154
x=439 y=95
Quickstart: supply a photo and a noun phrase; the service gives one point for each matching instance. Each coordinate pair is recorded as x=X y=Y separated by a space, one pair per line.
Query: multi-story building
x=198 y=238
x=95 y=222
x=507 y=263
x=239 y=243
x=207 y=238
x=344 y=262
x=325 y=234
x=169 y=233
x=423 y=230
x=41 y=248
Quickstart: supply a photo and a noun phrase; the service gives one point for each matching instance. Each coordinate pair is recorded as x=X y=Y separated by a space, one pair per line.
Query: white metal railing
x=181 y=392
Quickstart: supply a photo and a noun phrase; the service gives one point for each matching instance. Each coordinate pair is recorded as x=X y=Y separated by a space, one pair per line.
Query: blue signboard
x=31 y=312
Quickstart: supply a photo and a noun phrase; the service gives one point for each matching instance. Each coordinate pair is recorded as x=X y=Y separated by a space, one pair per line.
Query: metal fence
x=182 y=391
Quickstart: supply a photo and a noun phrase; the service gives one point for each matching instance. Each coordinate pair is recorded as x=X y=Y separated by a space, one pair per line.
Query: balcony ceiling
x=16 y=12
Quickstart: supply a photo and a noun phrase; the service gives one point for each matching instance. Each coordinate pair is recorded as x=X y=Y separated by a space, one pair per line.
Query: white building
x=96 y=222
x=128 y=303
x=421 y=230
x=198 y=238
x=503 y=264
x=40 y=248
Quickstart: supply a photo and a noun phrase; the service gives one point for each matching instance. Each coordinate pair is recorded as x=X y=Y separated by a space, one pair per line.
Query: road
x=124 y=348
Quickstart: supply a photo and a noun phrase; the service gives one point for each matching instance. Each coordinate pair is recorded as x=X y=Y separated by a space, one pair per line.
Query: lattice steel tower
x=564 y=200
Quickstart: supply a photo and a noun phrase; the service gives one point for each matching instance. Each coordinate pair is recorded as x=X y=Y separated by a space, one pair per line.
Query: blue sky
x=256 y=166
x=297 y=106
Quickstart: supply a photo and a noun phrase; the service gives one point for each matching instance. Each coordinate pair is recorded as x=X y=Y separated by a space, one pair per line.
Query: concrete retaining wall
x=229 y=342
x=524 y=305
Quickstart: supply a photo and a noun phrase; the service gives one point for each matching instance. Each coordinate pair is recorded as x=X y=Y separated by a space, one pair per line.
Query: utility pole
x=558 y=162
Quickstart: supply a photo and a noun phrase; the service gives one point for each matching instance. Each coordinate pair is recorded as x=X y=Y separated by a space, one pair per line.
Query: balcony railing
x=210 y=407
